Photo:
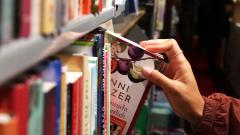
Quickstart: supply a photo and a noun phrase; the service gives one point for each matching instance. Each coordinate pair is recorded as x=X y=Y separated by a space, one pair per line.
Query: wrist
x=197 y=114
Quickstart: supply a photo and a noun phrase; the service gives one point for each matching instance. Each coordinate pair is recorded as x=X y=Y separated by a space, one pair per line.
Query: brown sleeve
x=221 y=116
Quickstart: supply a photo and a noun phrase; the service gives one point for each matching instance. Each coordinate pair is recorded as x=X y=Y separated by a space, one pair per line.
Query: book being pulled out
x=129 y=88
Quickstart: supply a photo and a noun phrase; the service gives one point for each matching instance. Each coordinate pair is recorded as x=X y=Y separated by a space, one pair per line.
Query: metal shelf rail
x=19 y=55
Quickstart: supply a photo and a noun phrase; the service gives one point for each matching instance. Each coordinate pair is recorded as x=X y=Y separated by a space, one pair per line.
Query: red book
x=25 y=18
x=100 y=6
x=86 y=7
x=75 y=79
x=15 y=98
x=80 y=101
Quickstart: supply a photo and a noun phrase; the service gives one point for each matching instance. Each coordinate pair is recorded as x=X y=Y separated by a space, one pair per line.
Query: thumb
x=156 y=77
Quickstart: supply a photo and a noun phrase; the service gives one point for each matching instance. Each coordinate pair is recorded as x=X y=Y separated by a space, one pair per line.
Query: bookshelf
x=21 y=54
x=128 y=22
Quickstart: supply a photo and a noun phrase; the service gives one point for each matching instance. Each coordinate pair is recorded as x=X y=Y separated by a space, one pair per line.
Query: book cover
x=25 y=18
x=128 y=88
x=48 y=17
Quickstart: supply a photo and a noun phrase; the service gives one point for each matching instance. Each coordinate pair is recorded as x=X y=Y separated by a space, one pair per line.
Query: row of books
x=26 y=18
x=70 y=93
x=66 y=94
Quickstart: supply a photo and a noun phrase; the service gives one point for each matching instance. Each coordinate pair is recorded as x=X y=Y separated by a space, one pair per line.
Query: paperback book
x=129 y=88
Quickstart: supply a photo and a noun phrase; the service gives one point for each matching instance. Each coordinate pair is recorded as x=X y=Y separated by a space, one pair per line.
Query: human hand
x=177 y=80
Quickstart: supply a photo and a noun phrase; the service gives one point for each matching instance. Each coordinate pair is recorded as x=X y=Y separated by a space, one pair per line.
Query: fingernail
x=146 y=71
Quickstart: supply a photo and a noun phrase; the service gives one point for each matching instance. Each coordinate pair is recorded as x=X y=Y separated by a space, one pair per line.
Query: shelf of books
x=20 y=54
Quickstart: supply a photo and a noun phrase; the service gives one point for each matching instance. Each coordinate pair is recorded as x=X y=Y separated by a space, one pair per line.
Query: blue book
x=100 y=92
x=58 y=72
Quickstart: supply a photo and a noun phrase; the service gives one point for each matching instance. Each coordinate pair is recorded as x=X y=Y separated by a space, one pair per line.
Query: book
x=14 y=98
x=129 y=88
x=7 y=16
x=74 y=64
x=35 y=122
x=86 y=7
x=48 y=17
x=63 y=117
x=8 y=124
x=74 y=80
x=35 y=18
x=93 y=63
x=25 y=23
x=48 y=73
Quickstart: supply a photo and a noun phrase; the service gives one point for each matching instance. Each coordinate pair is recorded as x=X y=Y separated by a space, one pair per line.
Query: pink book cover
x=129 y=88
x=25 y=18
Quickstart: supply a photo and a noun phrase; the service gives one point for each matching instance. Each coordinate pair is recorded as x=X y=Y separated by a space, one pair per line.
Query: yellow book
x=48 y=17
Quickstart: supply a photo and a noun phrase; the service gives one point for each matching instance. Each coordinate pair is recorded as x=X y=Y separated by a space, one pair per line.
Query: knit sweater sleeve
x=221 y=116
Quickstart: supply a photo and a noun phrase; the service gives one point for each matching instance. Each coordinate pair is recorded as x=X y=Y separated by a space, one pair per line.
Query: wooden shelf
x=128 y=22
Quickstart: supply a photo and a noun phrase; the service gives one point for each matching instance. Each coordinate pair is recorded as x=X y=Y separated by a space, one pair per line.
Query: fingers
x=168 y=46
x=156 y=77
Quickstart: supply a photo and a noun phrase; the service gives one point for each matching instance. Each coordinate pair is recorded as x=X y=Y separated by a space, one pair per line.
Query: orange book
x=8 y=124
x=86 y=7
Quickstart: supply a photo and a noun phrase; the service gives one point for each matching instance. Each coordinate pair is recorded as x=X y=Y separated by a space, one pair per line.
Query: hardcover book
x=129 y=88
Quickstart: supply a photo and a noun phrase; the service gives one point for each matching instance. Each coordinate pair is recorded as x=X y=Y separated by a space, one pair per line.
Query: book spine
x=94 y=97
x=86 y=7
x=48 y=17
x=25 y=18
x=59 y=15
x=7 y=15
x=100 y=44
x=63 y=104
x=35 y=18
x=35 y=125
x=74 y=108
x=80 y=110
x=20 y=98
x=69 y=109
x=86 y=98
